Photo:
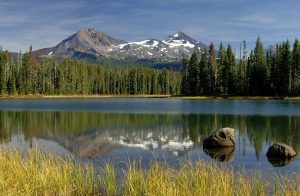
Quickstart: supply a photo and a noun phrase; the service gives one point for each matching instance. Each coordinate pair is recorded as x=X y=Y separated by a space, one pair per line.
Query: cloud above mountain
x=44 y=23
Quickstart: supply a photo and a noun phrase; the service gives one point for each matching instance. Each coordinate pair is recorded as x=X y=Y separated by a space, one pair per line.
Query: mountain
x=92 y=45
x=170 y=49
x=85 y=43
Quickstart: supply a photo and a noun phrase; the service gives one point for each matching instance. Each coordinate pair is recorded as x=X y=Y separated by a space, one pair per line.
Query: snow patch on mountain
x=178 y=43
x=176 y=35
x=121 y=46
x=144 y=43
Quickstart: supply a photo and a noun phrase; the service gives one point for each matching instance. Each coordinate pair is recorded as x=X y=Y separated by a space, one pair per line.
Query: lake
x=171 y=130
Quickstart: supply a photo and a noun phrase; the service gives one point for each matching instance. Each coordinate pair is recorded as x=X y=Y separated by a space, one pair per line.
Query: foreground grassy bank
x=39 y=174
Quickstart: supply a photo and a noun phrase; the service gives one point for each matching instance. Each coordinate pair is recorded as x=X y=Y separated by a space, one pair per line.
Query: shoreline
x=40 y=96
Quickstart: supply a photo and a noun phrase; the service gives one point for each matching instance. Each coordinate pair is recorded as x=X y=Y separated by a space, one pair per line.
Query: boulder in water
x=280 y=150
x=222 y=138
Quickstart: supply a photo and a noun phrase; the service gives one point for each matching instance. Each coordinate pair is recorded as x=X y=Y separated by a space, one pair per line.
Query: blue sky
x=44 y=23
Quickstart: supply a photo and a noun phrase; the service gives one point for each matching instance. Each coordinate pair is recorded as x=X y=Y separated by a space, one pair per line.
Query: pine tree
x=295 y=69
x=132 y=82
x=212 y=68
x=184 y=82
x=11 y=84
x=241 y=71
x=3 y=63
x=192 y=74
x=221 y=79
x=258 y=76
x=85 y=80
x=61 y=79
x=274 y=73
x=204 y=77
x=231 y=71
x=285 y=70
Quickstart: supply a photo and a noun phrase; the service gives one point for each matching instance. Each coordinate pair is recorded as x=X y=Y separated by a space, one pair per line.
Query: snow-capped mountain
x=172 y=48
x=89 y=43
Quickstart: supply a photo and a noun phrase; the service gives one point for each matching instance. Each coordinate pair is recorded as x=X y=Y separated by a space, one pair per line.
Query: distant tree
x=285 y=70
x=132 y=82
x=212 y=68
x=258 y=76
x=3 y=64
x=231 y=72
x=204 y=74
x=295 y=69
x=241 y=83
x=222 y=76
x=193 y=74
x=185 y=79
x=11 y=83
x=274 y=72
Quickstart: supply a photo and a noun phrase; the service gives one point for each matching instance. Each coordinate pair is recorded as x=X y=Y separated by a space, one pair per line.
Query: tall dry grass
x=37 y=173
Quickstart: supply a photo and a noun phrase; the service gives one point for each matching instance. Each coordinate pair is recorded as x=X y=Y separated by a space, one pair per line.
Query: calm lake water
x=119 y=130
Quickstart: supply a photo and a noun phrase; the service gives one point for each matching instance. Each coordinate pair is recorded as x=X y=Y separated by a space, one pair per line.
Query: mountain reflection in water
x=91 y=135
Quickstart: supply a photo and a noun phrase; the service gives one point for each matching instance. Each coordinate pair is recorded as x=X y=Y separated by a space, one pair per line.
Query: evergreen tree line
x=29 y=75
x=272 y=72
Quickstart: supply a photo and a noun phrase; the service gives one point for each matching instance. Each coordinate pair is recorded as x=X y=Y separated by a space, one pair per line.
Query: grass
x=40 y=174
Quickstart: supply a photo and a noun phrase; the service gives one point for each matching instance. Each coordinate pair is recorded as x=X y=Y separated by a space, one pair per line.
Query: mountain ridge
x=94 y=45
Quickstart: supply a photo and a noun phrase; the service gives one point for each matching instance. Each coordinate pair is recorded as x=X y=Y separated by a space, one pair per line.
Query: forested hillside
x=272 y=72
x=29 y=75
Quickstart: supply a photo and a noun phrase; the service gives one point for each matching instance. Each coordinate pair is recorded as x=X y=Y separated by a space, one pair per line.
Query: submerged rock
x=281 y=151
x=222 y=138
x=220 y=154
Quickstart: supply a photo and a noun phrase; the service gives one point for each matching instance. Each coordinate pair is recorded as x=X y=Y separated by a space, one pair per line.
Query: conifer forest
x=274 y=71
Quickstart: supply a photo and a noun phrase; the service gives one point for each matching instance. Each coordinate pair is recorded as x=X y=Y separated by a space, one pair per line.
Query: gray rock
x=222 y=138
x=280 y=150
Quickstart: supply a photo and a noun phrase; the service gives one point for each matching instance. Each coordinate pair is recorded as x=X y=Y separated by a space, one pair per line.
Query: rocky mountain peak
x=88 y=30
x=94 y=37
x=85 y=43
x=180 y=36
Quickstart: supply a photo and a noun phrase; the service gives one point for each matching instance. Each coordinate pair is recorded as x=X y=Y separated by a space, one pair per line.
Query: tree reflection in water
x=88 y=131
